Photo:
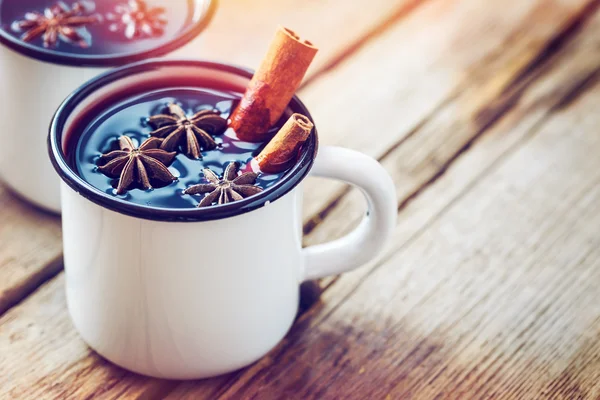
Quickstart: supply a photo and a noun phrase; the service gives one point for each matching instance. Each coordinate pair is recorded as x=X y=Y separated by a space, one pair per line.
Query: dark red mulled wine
x=98 y=129
x=97 y=27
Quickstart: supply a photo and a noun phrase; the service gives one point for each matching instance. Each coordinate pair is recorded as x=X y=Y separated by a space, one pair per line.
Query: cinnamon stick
x=282 y=150
x=272 y=86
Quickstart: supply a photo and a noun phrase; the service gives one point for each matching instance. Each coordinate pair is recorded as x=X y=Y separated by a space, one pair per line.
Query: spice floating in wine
x=98 y=133
x=137 y=19
x=273 y=85
x=282 y=151
x=58 y=22
x=193 y=134
x=131 y=164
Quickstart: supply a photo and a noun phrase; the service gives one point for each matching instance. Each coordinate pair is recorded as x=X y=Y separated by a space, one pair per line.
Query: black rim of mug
x=290 y=180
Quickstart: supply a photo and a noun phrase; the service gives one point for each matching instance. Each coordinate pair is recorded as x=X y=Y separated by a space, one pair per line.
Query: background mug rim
x=286 y=184
x=111 y=60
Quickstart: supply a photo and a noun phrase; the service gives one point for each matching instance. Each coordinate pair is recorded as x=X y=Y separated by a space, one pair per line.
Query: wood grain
x=30 y=248
x=496 y=298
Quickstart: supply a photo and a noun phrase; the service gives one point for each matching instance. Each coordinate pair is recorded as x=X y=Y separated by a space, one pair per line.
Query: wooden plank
x=242 y=30
x=445 y=49
x=562 y=79
x=25 y=264
x=496 y=298
x=443 y=136
x=78 y=356
x=28 y=239
x=419 y=162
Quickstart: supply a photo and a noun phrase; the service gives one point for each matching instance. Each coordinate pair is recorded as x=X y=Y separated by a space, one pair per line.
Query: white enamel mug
x=193 y=293
x=35 y=80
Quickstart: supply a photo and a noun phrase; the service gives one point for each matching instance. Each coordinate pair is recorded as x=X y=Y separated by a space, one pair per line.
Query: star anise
x=195 y=131
x=138 y=19
x=140 y=164
x=231 y=188
x=57 y=22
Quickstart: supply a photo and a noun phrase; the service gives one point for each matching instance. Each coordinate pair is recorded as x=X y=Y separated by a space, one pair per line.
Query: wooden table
x=487 y=115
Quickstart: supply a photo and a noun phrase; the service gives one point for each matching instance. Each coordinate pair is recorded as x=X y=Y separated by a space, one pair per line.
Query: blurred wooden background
x=487 y=115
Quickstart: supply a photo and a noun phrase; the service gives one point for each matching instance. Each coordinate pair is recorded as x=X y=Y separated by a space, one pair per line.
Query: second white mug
x=34 y=80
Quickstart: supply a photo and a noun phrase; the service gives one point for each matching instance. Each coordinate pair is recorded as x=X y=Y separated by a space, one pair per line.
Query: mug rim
x=111 y=60
x=286 y=184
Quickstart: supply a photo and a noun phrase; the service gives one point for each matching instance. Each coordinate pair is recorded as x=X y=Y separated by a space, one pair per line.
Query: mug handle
x=368 y=239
